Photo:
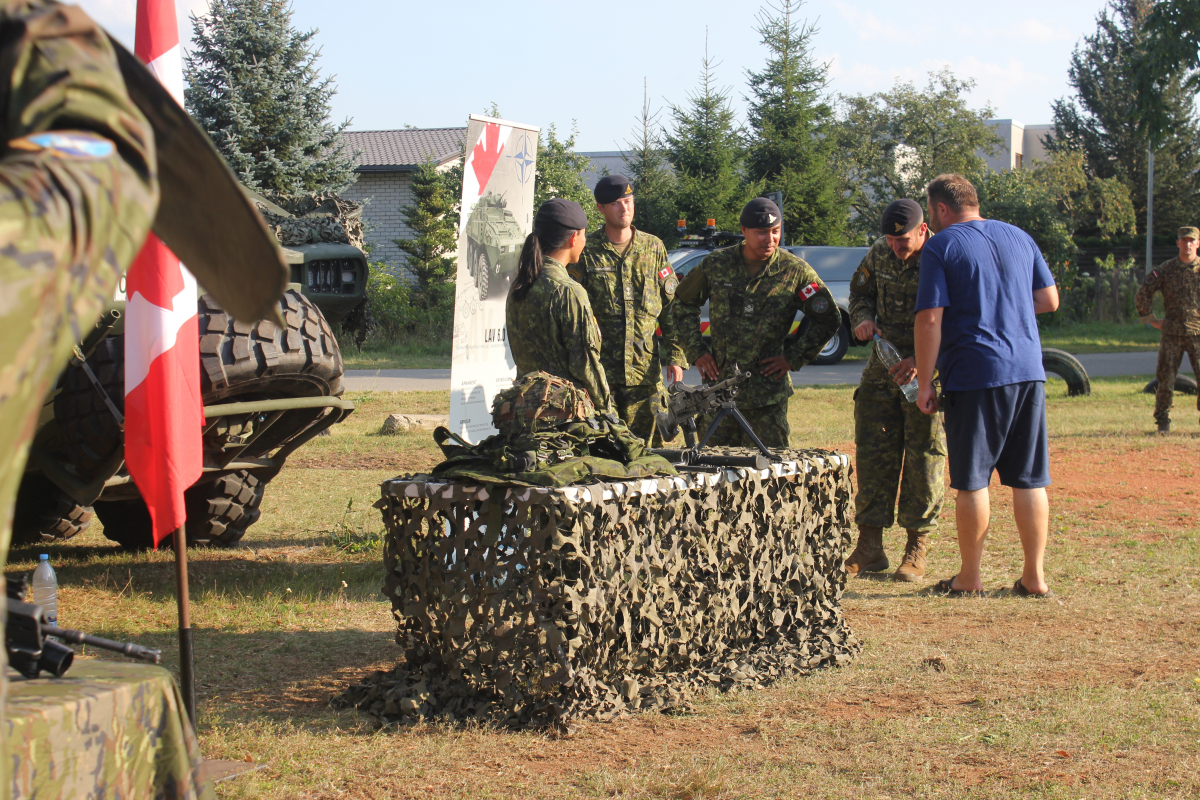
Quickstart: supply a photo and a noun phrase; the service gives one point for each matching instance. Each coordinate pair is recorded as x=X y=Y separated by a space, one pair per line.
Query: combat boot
x=868 y=555
x=1164 y=427
x=913 y=566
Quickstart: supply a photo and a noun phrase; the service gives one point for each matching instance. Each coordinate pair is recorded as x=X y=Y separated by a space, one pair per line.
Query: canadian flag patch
x=664 y=273
x=808 y=291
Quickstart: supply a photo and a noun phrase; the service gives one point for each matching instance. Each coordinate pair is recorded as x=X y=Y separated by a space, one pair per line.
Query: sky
x=432 y=64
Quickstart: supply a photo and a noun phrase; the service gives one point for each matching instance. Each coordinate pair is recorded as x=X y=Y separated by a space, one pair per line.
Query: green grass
x=1101 y=337
x=1095 y=694
x=409 y=354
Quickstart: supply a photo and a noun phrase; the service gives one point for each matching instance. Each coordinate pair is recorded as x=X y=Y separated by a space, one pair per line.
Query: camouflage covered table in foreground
x=105 y=730
x=532 y=606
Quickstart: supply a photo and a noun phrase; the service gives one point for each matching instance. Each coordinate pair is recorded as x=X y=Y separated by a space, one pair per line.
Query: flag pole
x=187 y=669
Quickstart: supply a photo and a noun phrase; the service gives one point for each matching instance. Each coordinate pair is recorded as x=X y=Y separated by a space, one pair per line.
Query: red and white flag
x=164 y=414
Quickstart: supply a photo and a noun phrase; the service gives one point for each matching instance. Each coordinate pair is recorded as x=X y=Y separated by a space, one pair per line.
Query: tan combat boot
x=868 y=555
x=913 y=566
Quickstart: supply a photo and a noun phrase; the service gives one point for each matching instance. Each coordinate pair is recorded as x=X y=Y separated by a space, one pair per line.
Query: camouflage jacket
x=1180 y=287
x=884 y=291
x=553 y=330
x=631 y=296
x=751 y=316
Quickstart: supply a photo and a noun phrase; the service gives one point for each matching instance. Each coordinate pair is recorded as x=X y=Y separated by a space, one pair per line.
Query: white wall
x=385 y=194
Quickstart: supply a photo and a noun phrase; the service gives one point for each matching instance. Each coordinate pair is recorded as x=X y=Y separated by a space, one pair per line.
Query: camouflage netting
x=317 y=218
x=528 y=606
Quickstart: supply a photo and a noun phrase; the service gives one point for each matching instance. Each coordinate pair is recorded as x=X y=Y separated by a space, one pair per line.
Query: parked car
x=834 y=265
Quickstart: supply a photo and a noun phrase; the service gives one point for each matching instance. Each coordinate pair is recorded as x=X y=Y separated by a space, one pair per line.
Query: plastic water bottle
x=45 y=589
x=890 y=358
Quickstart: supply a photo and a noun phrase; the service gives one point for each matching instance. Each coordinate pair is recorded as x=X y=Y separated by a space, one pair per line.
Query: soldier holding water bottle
x=899 y=448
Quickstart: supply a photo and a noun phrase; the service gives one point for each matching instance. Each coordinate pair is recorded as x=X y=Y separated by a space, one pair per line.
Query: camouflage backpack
x=538 y=402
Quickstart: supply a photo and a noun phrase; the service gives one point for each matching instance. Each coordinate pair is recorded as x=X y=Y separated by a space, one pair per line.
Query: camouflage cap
x=1189 y=233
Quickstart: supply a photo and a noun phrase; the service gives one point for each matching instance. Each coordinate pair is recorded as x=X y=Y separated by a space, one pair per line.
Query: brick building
x=386 y=161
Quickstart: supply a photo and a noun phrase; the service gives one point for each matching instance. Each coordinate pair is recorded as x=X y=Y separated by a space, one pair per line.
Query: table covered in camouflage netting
x=530 y=606
x=105 y=729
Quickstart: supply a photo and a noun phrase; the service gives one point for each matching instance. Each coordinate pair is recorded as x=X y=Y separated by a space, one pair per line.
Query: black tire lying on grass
x=1067 y=367
x=1183 y=385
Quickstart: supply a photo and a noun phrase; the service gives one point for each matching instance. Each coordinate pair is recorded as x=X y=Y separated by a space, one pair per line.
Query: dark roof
x=404 y=150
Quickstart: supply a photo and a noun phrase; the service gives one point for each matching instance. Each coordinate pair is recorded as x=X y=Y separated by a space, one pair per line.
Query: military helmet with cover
x=539 y=401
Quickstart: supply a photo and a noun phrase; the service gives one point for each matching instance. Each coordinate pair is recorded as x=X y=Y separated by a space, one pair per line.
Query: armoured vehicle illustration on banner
x=494 y=242
x=267 y=389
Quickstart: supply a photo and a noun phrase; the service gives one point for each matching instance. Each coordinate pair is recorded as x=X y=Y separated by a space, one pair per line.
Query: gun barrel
x=147 y=654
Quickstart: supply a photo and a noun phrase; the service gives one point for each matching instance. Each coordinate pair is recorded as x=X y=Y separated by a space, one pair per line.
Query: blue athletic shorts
x=1002 y=429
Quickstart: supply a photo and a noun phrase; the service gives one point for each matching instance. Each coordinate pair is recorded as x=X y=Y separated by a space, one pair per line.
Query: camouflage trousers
x=637 y=405
x=899 y=448
x=770 y=424
x=1170 y=356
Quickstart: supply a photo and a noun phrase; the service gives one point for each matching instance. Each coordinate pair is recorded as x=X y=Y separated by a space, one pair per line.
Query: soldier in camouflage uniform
x=631 y=286
x=1179 y=282
x=754 y=290
x=550 y=323
x=898 y=446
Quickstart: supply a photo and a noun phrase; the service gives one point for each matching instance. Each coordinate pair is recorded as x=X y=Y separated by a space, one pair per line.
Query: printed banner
x=497 y=215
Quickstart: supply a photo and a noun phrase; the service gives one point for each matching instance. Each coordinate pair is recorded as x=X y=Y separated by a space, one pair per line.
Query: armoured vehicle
x=494 y=242
x=266 y=390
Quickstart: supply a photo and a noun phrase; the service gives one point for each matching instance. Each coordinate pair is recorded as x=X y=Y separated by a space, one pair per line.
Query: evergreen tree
x=1172 y=52
x=707 y=151
x=1097 y=122
x=792 y=144
x=560 y=174
x=254 y=86
x=891 y=144
x=653 y=183
x=431 y=251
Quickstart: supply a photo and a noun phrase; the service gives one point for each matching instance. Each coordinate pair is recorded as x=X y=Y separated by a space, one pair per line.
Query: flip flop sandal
x=946 y=588
x=1019 y=590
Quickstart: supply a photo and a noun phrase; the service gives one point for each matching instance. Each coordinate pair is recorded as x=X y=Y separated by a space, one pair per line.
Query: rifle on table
x=30 y=652
x=685 y=403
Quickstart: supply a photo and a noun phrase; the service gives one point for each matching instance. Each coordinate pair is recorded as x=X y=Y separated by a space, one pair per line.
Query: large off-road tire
x=1067 y=367
x=91 y=433
x=219 y=512
x=45 y=513
x=1183 y=385
x=264 y=360
x=483 y=274
x=835 y=349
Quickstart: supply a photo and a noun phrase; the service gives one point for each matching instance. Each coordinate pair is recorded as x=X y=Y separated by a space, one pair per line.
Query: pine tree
x=560 y=174
x=792 y=143
x=1097 y=121
x=431 y=251
x=653 y=184
x=706 y=149
x=254 y=86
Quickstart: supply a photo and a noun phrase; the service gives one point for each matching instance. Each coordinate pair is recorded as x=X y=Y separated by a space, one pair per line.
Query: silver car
x=834 y=265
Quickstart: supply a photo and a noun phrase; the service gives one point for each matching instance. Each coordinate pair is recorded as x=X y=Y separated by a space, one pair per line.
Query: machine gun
x=30 y=652
x=685 y=403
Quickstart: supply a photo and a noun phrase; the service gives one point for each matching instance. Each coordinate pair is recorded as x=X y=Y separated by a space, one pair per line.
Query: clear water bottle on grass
x=45 y=589
x=890 y=358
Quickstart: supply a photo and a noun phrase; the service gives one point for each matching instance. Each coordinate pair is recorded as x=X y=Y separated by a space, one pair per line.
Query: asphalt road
x=430 y=380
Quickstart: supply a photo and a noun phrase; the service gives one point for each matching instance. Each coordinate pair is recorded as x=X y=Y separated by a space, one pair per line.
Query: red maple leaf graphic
x=486 y=154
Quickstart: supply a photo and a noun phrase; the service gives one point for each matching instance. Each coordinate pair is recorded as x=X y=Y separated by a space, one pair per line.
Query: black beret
x=566 y=213
x=901 y=216
x=611 y=188
x=760 y=213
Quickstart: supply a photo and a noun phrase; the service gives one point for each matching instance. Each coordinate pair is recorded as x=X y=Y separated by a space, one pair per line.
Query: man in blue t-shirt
x=982 y=283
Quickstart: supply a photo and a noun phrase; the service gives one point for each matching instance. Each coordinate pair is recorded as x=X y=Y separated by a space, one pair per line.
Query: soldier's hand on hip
x=708 y=367
x=865 y=331
x=674 y=374
x=1156 y=324
x=905 y=371
x=775 y=367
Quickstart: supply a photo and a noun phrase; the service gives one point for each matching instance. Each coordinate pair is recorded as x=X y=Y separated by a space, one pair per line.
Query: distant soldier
x=754 y=290
x=631 y=286
x=899 y=447
x=1179 y=282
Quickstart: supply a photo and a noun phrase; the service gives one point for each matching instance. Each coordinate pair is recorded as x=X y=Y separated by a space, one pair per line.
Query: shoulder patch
x=808 y=291
x=74 y=145
x=665 y=273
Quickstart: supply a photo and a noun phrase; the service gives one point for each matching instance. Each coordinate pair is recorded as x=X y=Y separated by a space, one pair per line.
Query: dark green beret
x=901 y=216
x=565 y=213
x=611 y=188
x=760 y=213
